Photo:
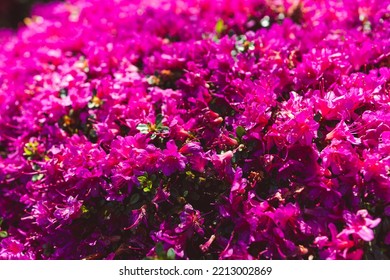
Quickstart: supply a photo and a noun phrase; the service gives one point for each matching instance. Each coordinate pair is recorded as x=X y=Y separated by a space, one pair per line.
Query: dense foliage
x=198 y=129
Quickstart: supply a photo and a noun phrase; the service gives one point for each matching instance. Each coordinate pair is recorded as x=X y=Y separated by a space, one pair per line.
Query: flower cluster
x=196 y=129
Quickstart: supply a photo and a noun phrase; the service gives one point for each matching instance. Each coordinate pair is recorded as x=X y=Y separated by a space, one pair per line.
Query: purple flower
x=360 y=224
x=191 y=221
x=172 y=160
x=339 y=246
x=69 y=211
x=342 y=132
x=137 y=216
x=222 y=164
x=195 y=155
x=12 y=249
x=300 y=163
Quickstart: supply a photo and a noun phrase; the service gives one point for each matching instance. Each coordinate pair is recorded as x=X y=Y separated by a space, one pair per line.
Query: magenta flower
x=191 y=221
x=360 y=224
x=12 y=249
x=222 y=164
x=339 y=246
x=342 y=132
x=195 y=155
x=172 y=160
x=69 y=211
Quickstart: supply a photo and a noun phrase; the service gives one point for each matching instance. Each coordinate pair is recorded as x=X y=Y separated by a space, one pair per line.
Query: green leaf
x=240 y=48
x=148 y=187
x=47 y=249
x=63 y=93
x=164 y=129
x=93 y=133
x=171 y=254
x=1 y=221
x=146 y=183
x=159 y=119
x=160 y=250
x=27 y=151
x=30 y=148
x=37 y=177
x=134 y=198
x=190 y=175
x=142 y=179
x=36 y=167
x=240 y=131
x=143 y=128
x=3 y=234
x=215 y=39
x=220 y=26
x=84 y=209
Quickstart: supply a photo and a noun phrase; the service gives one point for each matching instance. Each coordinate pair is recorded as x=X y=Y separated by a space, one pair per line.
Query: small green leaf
x=160 y=250
x=146 y=183
x=37 y=177
x=3 y=234
x=1 y=221
x=190 y=175
x=142 y=179
x=164 y=129
x=63 y=93
x=134 y=198
x=171 y=255
x=36 y=167
x=93 y=133
x=159 y=119
x=30 y=148
x=240 y=48
x=47 y=249
x=27 y=151
x=240 y=131
x=215 y=39
x=220 y=26
x=148 y=187
x=86 y=213
x=143 y=128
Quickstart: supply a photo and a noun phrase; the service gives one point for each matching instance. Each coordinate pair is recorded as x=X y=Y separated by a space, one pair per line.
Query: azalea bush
x=141 y=129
